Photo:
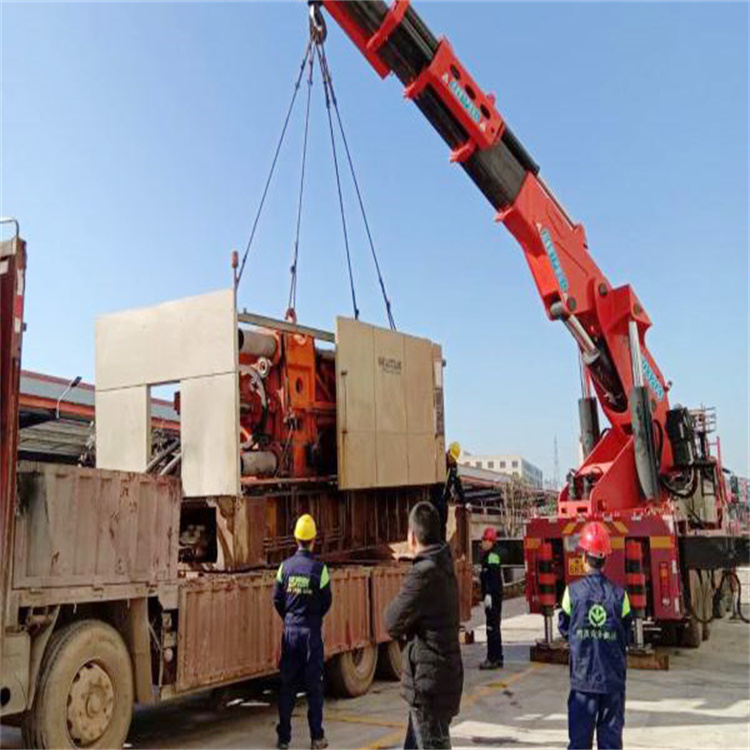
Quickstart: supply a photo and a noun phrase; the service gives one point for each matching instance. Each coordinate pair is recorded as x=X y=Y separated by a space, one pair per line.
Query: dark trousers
x=301 y=667
x=426 y=731
x=494 y=635
x=604 y=713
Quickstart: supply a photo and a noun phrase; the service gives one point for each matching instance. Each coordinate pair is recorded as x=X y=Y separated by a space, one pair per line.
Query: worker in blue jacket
x=302 y=596
x=595 y=620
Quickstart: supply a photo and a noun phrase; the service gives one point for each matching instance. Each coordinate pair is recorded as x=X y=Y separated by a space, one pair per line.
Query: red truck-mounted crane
x=650 y=476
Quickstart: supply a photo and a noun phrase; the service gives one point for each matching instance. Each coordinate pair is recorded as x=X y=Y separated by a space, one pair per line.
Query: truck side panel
x=229 y=629
x=79 y=526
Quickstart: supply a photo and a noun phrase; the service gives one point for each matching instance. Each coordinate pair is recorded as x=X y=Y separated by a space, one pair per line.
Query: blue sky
x=136 y=138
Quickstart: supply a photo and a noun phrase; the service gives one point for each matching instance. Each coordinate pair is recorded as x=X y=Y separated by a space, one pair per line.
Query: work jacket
x=302 y=593
x=491 y=575
x=595 y=620
x=426 y=614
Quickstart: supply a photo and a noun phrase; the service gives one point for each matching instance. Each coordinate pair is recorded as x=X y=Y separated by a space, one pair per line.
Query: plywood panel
x=357 y=460
x=418 y=384
x=392 y=459
x=422 y=463
x=355 y=374
x=389 y=407
x=209 y=435
x=184 y=338
x=123 y=429
x=390 y=395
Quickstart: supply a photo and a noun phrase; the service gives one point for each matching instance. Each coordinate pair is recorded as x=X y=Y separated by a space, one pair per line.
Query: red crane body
x=629 y=473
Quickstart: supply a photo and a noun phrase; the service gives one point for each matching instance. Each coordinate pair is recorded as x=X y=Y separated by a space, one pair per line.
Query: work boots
x=320 y=744
x=487 y=664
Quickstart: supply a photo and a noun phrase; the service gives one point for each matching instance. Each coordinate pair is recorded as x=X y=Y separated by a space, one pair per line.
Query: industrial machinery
x=650 y=476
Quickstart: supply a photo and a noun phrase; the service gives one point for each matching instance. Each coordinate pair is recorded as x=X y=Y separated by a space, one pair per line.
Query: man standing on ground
x=491 y=579
x=595 y=620
x=426 y=614
x=302 y=596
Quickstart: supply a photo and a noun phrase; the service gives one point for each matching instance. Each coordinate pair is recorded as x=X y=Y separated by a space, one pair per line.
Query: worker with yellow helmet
x=452 y=488
x=302 y=596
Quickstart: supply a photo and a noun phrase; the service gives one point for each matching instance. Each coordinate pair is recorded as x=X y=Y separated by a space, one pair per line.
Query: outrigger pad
x=557 y=653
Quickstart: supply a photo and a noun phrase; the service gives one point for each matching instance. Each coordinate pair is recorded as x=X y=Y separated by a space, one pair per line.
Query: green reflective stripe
x=280 y=574
x=566 y=601
x=324 y=577
x=493 y=559
x=625 y=605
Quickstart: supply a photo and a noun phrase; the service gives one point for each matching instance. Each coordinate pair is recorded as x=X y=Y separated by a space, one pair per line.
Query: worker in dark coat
x=595 y=620
x=491 y=580
x=302 y=596
x=425 y=614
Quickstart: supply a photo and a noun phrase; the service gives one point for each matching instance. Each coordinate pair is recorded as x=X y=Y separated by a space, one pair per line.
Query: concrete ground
x=703 y=701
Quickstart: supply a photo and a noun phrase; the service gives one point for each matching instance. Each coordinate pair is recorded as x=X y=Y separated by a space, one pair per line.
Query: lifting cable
x=316 y=48
x=308 y=50
x=293 y=283
x=320 y=49
x=328 y=95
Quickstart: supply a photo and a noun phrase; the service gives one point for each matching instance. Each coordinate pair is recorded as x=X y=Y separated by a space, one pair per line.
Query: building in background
x=515 y=465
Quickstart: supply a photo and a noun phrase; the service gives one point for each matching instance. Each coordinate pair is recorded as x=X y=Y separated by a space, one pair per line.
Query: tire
x=692 y=634
x=350 y=674
x=670 y=634
x=389 y=660
x=85 y=692
x=723 y=598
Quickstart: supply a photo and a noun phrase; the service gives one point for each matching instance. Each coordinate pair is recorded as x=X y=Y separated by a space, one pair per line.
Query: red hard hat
x=595 y=539
x=490 y=535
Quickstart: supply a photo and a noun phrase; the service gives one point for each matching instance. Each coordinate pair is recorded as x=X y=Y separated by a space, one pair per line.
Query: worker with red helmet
x=491 y=579
x=595 y=620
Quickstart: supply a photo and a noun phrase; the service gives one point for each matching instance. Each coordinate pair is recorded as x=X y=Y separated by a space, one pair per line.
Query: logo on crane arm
x=460 y=94
x=650 y=377
x=554 y=259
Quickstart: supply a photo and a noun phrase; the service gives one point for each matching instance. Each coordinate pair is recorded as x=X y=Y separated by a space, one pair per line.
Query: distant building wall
x=513 y=464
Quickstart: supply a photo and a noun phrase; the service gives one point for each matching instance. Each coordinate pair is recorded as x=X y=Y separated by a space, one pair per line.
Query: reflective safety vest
x=302 y=593
x=491 y=577
x=595 y=620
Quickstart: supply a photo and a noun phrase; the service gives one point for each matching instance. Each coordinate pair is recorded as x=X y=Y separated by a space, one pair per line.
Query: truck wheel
x=692 y=634
x=389 y=660
x=84 y=695
x=670 y=634
x=350 y=674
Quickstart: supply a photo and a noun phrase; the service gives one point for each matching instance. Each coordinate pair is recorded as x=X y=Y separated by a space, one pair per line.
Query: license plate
x=575 y=567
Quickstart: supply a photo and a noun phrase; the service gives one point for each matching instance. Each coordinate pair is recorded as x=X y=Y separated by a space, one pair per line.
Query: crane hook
x=318 y=30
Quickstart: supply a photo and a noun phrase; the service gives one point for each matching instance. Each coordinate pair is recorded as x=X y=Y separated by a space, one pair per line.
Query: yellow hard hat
x=454 y=449
x=305 y=528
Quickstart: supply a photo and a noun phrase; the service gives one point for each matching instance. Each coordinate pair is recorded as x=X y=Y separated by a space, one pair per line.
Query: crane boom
x=608 y=323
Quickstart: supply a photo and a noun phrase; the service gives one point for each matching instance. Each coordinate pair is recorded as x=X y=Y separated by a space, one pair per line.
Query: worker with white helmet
x=302 y=596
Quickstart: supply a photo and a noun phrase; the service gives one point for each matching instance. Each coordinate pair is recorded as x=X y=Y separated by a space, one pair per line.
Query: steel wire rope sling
x=315 y=48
